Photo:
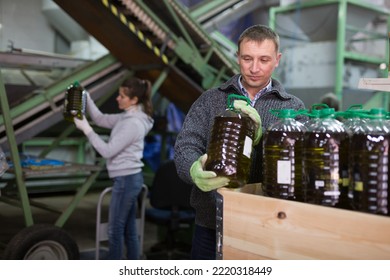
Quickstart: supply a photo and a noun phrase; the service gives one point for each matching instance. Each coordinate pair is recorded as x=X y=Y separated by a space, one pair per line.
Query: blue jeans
x=203 y=244
x=122 y=228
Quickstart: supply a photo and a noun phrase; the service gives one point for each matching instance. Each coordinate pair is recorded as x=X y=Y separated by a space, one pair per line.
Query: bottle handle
x=319 y=106
x=236 y=96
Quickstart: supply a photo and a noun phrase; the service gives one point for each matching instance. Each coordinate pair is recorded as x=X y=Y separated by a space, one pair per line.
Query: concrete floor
x=81 y=225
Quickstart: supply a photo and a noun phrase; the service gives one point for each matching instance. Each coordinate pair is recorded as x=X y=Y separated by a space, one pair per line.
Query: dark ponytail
x=147 y=100
x=143 y=90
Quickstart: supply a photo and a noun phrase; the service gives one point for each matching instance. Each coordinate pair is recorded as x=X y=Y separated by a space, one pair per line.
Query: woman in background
x=123 y=153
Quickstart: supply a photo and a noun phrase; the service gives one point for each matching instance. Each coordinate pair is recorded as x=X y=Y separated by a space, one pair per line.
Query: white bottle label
x=247 y=147
x=284 y=172
x=319 y=184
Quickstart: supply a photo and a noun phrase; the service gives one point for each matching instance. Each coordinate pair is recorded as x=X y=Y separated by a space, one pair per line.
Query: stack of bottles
x=336 y=159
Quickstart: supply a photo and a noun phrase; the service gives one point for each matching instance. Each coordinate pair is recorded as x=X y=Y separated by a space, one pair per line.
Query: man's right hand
x=206 y=180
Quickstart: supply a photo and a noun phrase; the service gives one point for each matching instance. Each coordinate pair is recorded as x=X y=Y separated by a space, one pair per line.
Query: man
x=257 y=55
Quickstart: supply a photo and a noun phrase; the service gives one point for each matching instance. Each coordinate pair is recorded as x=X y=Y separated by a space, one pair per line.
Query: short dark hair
x=259 y=33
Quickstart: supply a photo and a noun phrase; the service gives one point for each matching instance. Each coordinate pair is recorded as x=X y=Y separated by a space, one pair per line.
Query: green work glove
x=244 y=107
x=206 y=180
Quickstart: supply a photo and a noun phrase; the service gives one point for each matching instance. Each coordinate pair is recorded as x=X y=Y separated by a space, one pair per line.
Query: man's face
x=257 y=61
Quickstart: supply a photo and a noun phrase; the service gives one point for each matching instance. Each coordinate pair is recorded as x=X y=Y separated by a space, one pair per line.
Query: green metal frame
x=184 y=46
x=58 y=88
x=7 y=120
x=188 y=51
x=49 y=143
x=342 y=54
x=207 y=7
x=19 y=176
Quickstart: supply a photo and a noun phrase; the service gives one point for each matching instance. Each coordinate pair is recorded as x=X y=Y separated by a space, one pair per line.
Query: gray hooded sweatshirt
x=124 y=149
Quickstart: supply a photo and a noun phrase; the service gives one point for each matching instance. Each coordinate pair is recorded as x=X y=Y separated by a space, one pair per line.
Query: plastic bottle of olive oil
x=75 y=102
x=282 y=157
x=353 y=121
x=230 y=148
x=369 y=166
x=325 y=159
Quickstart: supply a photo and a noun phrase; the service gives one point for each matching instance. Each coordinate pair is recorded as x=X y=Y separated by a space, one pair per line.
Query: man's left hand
x=244 y=107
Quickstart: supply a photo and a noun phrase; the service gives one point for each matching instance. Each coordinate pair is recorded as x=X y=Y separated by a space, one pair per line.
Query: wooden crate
x=259 y=227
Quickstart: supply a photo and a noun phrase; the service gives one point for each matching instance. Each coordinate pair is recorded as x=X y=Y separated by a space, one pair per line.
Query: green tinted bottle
x=230 y=148
x=325 y=159
x=352 y=120
x=369 y=164
x=282 y=157
x=75 y=102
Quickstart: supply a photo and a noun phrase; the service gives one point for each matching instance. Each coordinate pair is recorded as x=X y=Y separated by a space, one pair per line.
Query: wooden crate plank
x=258 y=227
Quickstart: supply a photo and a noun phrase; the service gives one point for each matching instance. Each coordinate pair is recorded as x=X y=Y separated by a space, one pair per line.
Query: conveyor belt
x=159 y=41
x=165 y=46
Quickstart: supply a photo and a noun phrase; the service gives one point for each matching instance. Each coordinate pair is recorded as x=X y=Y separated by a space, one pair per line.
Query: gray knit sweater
x=124 y=149
x=194 y=137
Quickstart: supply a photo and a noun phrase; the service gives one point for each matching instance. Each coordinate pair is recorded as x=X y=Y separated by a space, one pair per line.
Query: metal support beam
x=28 y=219
x=342 y=22
x=77 y=198
x=161 y=78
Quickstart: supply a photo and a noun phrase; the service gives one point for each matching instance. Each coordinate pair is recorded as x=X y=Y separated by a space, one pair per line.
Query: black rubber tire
x=42 y=242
